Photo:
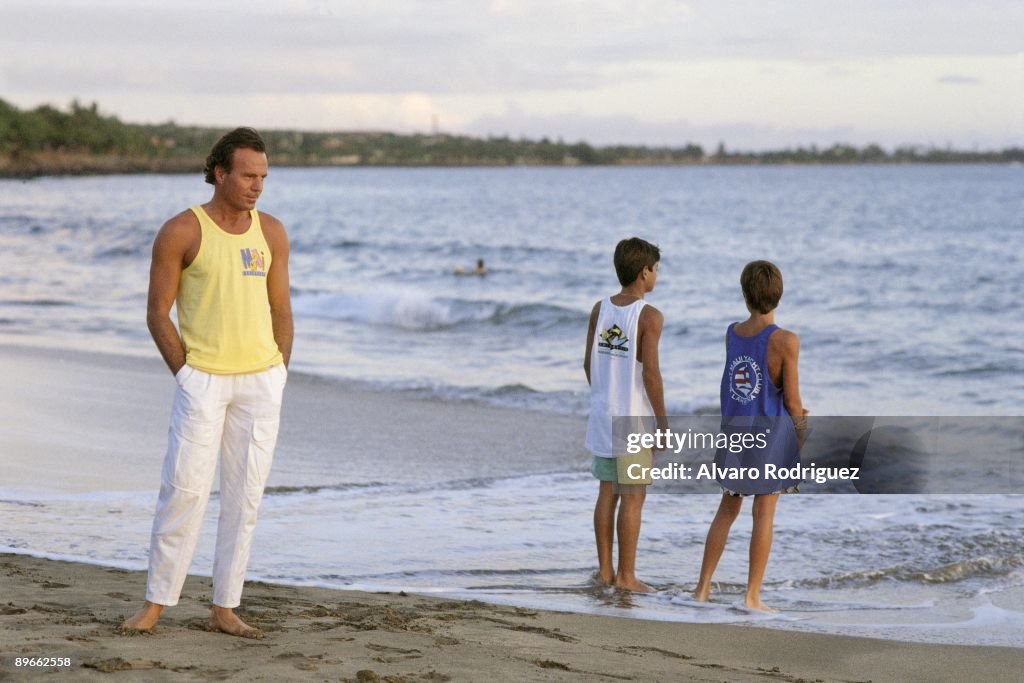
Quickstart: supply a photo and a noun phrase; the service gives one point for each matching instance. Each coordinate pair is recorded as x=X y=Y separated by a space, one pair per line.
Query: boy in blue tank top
x=760 y=380
x=621 y=364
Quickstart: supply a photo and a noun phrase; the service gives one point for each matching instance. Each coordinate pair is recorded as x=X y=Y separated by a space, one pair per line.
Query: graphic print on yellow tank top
x=223 y=307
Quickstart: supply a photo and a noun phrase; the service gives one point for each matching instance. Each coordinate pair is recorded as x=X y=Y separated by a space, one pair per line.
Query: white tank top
x=616 y=376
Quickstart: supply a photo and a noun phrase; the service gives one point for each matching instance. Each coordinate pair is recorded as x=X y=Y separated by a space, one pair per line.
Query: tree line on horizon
x=83 y=140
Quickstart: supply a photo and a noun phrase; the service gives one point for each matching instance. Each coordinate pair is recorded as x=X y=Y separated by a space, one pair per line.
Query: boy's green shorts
x=618 y=469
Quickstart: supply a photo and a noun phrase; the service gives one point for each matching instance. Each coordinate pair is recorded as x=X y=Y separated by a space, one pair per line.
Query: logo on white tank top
x=745 y=379
x=613 y=341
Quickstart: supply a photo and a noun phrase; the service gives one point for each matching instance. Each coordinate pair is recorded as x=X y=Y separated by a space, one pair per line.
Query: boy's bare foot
x=756 y=604
x=224 y=620
x=599 y=579
x=701 y=594
x=634 y=586
x=143 y=621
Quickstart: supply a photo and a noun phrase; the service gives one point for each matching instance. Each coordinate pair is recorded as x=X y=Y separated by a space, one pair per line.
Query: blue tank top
x=752 y=404
x=746 y=387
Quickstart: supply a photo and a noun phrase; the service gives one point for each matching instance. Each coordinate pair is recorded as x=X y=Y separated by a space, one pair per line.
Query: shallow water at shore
x=510 y=523
x=929 y=569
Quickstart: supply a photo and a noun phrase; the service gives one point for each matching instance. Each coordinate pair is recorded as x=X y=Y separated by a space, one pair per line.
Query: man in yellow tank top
x=225 y=266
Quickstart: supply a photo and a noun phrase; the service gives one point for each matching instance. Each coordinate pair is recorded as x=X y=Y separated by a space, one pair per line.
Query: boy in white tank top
x=621 y=364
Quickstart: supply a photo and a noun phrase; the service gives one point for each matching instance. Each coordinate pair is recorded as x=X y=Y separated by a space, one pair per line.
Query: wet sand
x=71 y=610
x=77 y=422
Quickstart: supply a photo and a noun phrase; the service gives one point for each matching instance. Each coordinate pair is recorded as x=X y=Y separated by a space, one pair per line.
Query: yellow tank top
x=223 y=308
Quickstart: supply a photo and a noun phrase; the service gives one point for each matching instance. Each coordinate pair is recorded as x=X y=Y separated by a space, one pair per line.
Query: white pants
x=237 y=418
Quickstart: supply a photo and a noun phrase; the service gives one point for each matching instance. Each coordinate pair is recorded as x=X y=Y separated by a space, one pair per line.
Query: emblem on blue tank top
x=745 y=379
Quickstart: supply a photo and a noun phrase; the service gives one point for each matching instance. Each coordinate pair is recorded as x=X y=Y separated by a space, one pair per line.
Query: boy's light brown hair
x=762 y=286
x=632 y=256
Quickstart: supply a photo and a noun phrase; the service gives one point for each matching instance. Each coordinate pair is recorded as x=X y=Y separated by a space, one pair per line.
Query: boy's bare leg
x=604 y=530
x=760 y=546
x=718 y=534
x=144 y=620
x=225 y=620
x=630 y=507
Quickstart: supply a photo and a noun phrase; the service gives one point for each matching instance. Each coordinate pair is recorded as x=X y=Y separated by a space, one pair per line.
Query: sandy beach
x=78 y=422
x=70 y=610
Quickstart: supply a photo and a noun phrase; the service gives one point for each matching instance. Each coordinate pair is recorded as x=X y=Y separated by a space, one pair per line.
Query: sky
x=751 y=74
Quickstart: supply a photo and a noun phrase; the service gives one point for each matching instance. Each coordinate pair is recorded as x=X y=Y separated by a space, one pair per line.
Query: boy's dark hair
x=762 y=285
x=224 y=149
x=632 y=256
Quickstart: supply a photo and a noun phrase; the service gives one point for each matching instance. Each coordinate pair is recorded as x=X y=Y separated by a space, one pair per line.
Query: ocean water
x=903 y=282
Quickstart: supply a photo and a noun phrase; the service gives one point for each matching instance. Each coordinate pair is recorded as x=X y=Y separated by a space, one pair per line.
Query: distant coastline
x=82 y=141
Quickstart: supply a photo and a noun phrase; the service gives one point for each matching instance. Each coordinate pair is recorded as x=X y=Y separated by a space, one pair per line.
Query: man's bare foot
x=143 y=621
x=632 y=585
x=599 y=579
x=702 y=593
x=224 y=620
x=756 y=604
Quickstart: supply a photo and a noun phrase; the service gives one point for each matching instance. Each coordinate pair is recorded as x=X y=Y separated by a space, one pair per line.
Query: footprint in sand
x=389 y=655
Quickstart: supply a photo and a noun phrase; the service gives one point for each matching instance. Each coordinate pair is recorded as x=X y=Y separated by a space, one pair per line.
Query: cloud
x=461 y=46
x=958 y=79
x=627 y=129
x=608 y=70
x=376 y=50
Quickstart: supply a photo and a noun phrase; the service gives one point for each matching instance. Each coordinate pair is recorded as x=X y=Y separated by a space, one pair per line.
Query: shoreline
x=80 y=422
x=84 y=165
x=70 y=610
x=115 y=414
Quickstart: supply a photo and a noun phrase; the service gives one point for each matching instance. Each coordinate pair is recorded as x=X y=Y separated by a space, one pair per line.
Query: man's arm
x=649 y=327
x=278 y=286
x=175 y=241
x=590 y=339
